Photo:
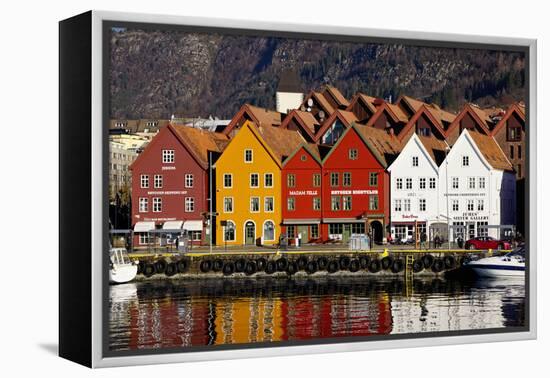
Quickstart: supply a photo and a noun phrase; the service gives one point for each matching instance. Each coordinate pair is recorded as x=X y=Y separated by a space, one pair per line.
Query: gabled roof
x=435 y=147
x=280 y=141
x=321 y=100
x=259 y=116
x=305 y=119
x=412 y=102
x=428 y=111
x=394 y=111
x=368 y=101
x=336 y=95
x=346 y=117
x=481 y=118
x=416 y=105
x=198 y=142
x=514 y=108
x=491 y=151
x=311 y=148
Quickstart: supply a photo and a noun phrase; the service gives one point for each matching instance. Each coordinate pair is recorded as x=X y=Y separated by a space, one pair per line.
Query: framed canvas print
x=232 y=189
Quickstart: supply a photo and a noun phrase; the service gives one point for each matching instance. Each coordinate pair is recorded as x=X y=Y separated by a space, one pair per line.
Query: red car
x=487 y=242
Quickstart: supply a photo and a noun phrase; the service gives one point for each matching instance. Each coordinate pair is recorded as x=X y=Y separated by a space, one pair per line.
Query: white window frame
x=415 y=161
x=143 y=206
x=453 y=203
x=316 y=200
x=232 y=201
x=433 y=181
x=168 y=156
x=453 y=180
x=465 y=160
x=266 y=175
x=291 y=200
x=422 y=204
x=272 y=204
x=480 y=205
x=263 y=230
x=251 y=156
x=230 y=175
x=471 y=182
x=144 y=181
x=399 y=183
x=158 y=181
x=157 y=205
x=234 y=231
x=189 y=176
x=251 y=202
x=189 y=204
x=482 y=183
x=398 y=205
x=257 y=180
x=470 y=205
x=407 y=204
x=422 y=182
x=408 y=181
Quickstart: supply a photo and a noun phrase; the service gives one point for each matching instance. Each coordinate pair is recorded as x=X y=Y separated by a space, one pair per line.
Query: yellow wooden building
x=248 y=184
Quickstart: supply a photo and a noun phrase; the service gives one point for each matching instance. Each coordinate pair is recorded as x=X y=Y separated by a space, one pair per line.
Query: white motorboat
x=511 y=264
x=122 y=269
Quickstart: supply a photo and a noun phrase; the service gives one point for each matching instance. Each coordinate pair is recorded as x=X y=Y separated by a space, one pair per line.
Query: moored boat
x=511 y=264
x=121 y=268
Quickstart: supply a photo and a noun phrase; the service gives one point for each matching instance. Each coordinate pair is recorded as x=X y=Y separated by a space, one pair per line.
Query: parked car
x=487 y=242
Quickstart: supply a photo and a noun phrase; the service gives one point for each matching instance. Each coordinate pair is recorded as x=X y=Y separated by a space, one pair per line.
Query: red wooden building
x=170 y=185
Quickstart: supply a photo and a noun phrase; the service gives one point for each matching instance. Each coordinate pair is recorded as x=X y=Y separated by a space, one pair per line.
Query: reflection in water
x=205 y=312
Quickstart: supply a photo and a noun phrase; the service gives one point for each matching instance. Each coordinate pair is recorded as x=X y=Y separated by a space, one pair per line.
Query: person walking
x=423 y=240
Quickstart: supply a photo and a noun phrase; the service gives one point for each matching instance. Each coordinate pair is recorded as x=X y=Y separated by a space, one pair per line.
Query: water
x=167 y=314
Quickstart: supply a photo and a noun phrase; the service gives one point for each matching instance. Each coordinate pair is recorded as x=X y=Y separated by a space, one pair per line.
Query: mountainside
x=156 y=74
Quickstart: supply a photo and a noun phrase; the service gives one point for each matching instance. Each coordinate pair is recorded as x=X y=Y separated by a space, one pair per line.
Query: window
x=316 y=179
x=227 y=180
x=248 y=156
x=254 y=204
x=511 y=151
x=346 y=179
x=399 y=183
x=167 y=156
x=316 y=203
x=268 y=180
x=229 y=234
x=195 y=235
x=482 y=183
x=303 y=158
x=408 y=183
x=470 y=205
x=519 y=151
x=481 y=230
x=422 y=204
x=373 y=179
x=465 y=161
x=335 y=203
x=471 y=182
x=189 y=204
x=422 y=183
x=480 y=205
x=144 y=179
x=455 y=205
x=314 y=231
x=291 y=232
x=268 y=204
x=158 y=181
x=269 y=231
x=334 y=179
x=454 y=181
x=227 y=204
x=432 y=182
x=291 y=203
x=157 y=205
x=143 y=239
x=353 y=154
x=335 y=228
x=347 y=203
x=143 y=205
x=254 y=180
x=373 y=202
x=514 y=133
x=189 y=180
x=291 y=180
x=357 y=228
x=407 y=205
x=415 y=161
x=398 y=205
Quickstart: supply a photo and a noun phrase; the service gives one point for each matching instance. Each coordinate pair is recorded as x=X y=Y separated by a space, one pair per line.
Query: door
x=250 y=233
x=377 y=232
x=304 y=234
x=346 y=233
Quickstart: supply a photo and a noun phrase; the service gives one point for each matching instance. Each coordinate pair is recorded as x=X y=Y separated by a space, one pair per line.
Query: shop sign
x=303 y=193
x=166 y=193
x=169 y=168
x=354 y=191
x=471 y=217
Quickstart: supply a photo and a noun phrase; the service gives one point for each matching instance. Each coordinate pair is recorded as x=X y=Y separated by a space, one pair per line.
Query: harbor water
x=189 y=313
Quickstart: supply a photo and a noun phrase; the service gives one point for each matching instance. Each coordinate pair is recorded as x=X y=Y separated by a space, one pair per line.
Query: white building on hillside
x=415 y=187
x=477 y=187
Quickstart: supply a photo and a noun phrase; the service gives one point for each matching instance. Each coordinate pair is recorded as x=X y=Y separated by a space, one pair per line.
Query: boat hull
x=122 y=274
x=497 y=267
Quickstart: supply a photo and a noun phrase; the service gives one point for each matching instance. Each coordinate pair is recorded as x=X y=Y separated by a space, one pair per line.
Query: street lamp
x=447 y=149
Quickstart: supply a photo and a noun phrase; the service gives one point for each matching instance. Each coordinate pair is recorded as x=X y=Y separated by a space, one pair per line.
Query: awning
x=301 y=221
x=192 y=225
x=144 y=226
x=172 y=225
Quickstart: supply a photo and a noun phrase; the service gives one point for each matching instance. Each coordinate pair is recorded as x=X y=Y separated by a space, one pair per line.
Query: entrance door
x=250 y=233
x=346 y=233
x=471 y=230
x=377 y=231
x=303 y=231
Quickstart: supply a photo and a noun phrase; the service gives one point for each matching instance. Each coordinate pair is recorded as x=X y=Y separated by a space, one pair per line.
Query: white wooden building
x=477 y=187
x=415 y=187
